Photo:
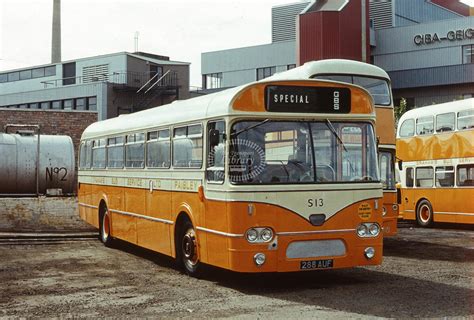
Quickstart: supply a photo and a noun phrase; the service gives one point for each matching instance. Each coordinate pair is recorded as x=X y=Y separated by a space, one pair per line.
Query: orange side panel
x=440 y=146
x=390 y=219
x=385 y=126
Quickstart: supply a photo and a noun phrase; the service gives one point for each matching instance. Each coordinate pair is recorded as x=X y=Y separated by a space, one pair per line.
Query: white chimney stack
x=56 y=38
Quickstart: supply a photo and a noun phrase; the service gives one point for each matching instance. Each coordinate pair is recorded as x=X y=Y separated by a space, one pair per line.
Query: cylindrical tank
x=18 y=162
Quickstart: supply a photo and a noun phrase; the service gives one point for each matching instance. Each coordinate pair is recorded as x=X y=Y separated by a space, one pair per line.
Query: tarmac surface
x=425 y=273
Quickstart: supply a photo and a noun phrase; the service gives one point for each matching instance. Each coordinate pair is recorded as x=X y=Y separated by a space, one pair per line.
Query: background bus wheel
x=188 y=253
x=424 y=214
x=104 y=230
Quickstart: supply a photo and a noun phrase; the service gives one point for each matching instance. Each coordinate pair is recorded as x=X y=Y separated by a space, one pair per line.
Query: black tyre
x=424 y=214
x=187 y=250
x=104 y=230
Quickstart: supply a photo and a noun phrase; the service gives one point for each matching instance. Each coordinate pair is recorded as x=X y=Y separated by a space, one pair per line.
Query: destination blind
x=307 y=99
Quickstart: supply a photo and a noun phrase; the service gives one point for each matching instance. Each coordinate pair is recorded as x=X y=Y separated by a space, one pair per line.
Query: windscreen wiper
x=249 y=127
x=334 y=132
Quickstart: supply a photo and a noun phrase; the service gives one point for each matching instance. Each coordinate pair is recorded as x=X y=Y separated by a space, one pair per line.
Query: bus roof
x=218 y=104
x=331 y=66
x=435 y=109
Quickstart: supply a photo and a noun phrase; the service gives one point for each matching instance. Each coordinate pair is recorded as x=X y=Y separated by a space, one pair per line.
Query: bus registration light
x=368 y=230
x=369 y=252
x=259 y=259
x=259 y=235
x=384 y=211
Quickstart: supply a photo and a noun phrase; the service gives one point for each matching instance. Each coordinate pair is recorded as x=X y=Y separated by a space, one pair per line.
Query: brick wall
x=70 y=123
x=42 y=214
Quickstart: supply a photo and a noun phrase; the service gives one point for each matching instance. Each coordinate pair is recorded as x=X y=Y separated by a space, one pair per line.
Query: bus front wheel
x=188 y=250
x=104 y=227
x=424 y=214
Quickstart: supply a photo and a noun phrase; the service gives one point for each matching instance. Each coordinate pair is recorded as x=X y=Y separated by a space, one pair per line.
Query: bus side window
x=445 y=176
x=466 y=119
x=424 y=177
x=115 y=152
x=187 y=147
x=98 y=154
x=135 y=150
x=445 y=122
x=158 y=149
x=409 y=177
x=465 y=175
x=216 y=152
x=424 y=125
x=85 y=155
x=407 y=129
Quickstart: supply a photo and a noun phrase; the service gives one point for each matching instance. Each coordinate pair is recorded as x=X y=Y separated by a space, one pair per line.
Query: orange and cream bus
x=271 y=176
x=377 y=82
x=435 y=145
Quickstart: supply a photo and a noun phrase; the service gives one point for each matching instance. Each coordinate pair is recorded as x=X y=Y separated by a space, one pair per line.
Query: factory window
x=23 y=106
x=34 y=105
x=50 y=71
x=92 y=103
x=13 y=76
x=263 y=73
x=290 y=66
x=45 y=105
x=25 y=74
x=3 y=77
x=67 y=104
x=81 y=104
x=38 y=73
x=56 y=104
x=468 y=54
x=213 y=80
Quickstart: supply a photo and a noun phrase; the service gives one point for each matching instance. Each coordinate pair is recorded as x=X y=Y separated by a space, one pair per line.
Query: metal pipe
x=157 y=81
x=151 y=79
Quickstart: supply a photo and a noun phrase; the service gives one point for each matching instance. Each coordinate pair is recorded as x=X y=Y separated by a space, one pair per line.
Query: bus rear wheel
x=424 y=214
x=188 y=250
x=104 y=230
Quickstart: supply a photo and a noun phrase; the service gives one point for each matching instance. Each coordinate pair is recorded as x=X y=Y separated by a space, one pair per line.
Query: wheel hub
x=189 y=247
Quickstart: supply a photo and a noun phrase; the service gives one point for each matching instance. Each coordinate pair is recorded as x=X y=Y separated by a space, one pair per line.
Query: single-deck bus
x=268 y=177
x=377 y=82
x=435 y=145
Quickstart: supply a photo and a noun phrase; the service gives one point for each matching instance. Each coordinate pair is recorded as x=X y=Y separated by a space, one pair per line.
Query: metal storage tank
x=19 y=163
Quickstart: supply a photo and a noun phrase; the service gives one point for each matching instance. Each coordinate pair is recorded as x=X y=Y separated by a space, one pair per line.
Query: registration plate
x=316 y=264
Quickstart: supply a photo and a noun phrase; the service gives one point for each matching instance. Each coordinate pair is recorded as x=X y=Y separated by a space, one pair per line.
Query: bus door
x=215 y=216
x=408 y=194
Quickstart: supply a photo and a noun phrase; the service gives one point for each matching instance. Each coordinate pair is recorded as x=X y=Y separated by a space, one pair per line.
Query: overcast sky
x=180 y=29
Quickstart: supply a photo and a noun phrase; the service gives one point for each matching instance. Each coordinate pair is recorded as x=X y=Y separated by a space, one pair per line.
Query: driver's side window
x=215 y=151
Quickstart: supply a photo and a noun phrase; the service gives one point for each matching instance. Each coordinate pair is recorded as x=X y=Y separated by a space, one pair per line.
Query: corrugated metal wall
x=284 y=21
x=409 y=12
x=333 y=34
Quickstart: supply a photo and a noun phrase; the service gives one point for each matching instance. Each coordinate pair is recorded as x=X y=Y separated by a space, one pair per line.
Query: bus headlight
x=259 y=259
x=362 y=230
x=374 y=229
x=252 y=235
x=259 y=235
x=369 y=252
x=395 y=207
x=368 y=230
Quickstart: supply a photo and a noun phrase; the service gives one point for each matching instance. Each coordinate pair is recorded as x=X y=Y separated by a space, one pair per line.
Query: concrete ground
x=425 y=273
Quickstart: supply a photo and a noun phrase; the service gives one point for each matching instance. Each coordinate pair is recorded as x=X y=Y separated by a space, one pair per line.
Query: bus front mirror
x=213 y=137
x=400 y=162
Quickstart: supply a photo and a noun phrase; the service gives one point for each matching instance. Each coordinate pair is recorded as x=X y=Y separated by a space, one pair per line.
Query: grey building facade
x=426 y=48
x=108 y=84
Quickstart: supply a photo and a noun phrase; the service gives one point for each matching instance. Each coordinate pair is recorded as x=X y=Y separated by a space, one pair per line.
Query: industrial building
x=427 y=47
x=65 y=97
